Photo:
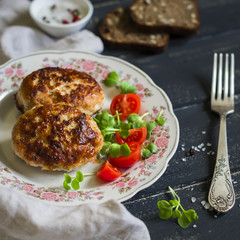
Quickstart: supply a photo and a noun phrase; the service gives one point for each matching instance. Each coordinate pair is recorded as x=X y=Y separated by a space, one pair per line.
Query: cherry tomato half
x=135 y=135
x=125 y=104
x=129 y=161
x=108 y=172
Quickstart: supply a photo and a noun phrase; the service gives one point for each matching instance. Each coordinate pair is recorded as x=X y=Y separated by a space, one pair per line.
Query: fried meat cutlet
x=53 y=85
x=56 y=137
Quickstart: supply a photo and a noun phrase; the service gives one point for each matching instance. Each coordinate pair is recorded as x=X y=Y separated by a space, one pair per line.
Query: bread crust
x=176 y=17
x=56 y=137
x=118 y=31
x=53 y=85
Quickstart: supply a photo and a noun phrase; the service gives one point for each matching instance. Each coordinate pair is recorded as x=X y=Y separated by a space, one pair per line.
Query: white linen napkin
x=26 y=218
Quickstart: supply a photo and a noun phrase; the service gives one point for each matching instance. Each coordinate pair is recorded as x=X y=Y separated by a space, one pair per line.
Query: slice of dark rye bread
x=177 y=17
x=118 y=31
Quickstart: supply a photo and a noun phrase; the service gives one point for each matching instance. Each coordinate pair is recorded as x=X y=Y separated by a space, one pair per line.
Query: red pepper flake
x=64 y=21
x=76 y=18
x=191 y=152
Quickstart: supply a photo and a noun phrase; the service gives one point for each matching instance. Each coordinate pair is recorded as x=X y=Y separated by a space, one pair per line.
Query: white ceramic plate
x=17 y=175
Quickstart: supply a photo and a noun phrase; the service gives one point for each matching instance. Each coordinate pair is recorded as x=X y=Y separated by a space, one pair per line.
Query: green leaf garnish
x=135 y=120
x=146 y=153
x=150 y=127
x=152 y=147
x=166 y=209
x=66 y=186
x=75 y=184
x=126 y=87
x=149 y=150
x=75 y=181
x=112 y=79
x=170 y=209
x=124 y=129
x=68 y=179
x=114 y=150
x=134 y=117
x=176 y=213
x=152 y=124
x=105 y=148
x=109 y=125
x=125 y=150
x=79 y=176
x=159 y=120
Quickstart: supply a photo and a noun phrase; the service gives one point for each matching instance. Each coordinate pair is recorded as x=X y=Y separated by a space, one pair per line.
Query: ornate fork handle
x=221 y=195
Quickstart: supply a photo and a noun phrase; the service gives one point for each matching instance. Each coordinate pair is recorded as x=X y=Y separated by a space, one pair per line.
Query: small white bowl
x=42 y=8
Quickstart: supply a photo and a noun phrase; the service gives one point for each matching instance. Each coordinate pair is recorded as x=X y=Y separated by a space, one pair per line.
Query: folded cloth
x=14 y=11
x=23 y=217
x=20 y=40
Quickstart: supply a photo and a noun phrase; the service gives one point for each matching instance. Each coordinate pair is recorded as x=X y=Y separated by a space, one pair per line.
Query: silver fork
x=221 y=194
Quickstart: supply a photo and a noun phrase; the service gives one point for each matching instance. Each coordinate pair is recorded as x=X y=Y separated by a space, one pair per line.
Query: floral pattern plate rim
x=47 y=186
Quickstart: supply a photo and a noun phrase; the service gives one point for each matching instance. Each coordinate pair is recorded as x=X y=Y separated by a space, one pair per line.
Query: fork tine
x=232 y=78
x=214 y=77
x=219 y=86
x=226 y=77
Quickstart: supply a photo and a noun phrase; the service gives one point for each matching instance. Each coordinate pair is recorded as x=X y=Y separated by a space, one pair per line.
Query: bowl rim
x=34 y=3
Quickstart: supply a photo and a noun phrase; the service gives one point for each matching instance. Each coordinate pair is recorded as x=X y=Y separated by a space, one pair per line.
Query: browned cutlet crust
x=53 y=85
x=56 y=137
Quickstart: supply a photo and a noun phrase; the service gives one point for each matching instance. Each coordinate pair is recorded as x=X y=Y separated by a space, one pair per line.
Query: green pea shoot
x=152 y=124
x=174 y=209
x=75 y=181
x=112 y=79
x=109 y=125
x=149 y=150
x=126 y=87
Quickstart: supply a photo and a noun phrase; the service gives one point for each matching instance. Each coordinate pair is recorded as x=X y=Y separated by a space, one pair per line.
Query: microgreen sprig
x=152 y=124
x=149 y=150
x=115 y=149
x=109 y=125
x=112 y=79
x=135 y=120
x=126 y=87
x=75 y=180
x=171 y=209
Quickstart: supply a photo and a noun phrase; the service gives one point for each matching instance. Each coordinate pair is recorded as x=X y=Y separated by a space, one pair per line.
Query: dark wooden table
x=184 y=72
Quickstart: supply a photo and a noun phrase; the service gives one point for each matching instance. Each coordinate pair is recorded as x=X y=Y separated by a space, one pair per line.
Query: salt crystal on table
x=193 y=199
x=207 y=205
x=196 y=149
